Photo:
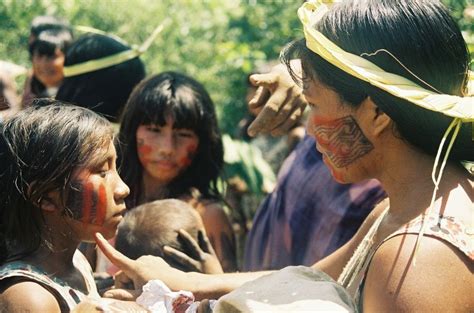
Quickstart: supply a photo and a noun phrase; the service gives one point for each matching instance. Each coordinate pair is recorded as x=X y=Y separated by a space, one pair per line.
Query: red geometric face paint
x=341 y=140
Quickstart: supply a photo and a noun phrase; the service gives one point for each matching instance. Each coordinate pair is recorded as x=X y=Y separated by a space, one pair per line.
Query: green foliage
x=216 y=41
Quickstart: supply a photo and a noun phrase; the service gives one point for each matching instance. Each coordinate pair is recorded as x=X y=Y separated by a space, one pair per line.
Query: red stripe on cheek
x=190 y=153
x=87 y=201
x=144 y=149
x=101 y=205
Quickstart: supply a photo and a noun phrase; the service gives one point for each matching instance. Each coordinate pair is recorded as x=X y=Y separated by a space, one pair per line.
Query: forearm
x=214 y=286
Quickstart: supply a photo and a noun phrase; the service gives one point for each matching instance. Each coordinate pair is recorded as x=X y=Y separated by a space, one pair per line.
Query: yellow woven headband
x=458 y=107
x=111 y=60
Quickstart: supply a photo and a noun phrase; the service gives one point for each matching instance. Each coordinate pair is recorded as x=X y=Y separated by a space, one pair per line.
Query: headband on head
x=461 y=109
x=111 y=60
x=454 y=106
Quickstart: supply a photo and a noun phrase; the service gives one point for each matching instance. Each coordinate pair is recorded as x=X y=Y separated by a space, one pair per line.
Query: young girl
x=59 y=185
x=171 y=148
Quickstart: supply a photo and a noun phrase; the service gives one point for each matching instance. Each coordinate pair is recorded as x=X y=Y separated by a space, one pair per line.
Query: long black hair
x=188 y=103
x=422 y=36
x=40 y=147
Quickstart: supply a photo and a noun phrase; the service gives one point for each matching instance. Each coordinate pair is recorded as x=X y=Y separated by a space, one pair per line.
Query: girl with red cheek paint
x=92 y=201
x=171 y=147
x=59 y=186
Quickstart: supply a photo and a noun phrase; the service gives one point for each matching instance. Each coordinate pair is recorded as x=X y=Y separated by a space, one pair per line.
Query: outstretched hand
x=279 y=99
x=201 y=256
x=143 y=269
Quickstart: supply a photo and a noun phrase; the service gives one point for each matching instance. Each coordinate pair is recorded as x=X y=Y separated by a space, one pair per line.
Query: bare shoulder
x=27 y=296
x=212 y=209
x=440 y=281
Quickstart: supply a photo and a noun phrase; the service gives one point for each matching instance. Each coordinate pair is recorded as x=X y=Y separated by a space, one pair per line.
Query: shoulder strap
x=28 y=272
x=361 y=257
x=446 y=228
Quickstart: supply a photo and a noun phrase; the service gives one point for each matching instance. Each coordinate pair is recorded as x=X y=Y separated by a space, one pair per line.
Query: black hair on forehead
x=182 y=105
x=50 y=40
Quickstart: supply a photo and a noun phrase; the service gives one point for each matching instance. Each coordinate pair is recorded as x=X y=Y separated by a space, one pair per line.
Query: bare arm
x=149 y=267
x=28 y=297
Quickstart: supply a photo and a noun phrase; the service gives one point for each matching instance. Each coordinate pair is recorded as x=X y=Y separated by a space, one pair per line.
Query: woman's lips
x=164 y=164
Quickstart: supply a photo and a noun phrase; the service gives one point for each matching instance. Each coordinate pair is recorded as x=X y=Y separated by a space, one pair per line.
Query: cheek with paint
x=88 y=203
x=341 y=140
x=143 y=151
x=186 y=161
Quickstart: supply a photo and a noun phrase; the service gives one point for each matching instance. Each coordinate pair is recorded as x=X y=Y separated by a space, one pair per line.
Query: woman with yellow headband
x=386 y=81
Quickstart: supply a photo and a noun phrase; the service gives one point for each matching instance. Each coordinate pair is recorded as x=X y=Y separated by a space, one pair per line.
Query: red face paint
x=188 y=159
x=87 y=201
x=144 y=149
x=101 y=205
x=341 y=140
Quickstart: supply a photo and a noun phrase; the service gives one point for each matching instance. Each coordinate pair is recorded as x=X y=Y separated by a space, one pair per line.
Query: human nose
x=166 y=144
x=121 y=190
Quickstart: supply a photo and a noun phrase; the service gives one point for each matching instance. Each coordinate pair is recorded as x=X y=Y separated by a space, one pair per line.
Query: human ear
x=47 y=204
x=376 y=119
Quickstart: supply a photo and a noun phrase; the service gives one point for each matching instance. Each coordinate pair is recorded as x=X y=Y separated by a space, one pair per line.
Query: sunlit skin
x=49 y=69
x=96 y=200
x=334 y=126
x=165 y=152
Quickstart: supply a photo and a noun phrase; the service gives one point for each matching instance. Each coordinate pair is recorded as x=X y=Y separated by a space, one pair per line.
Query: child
x=170 y=147
x=155 y=227
x=59 y=185
x=47 y=54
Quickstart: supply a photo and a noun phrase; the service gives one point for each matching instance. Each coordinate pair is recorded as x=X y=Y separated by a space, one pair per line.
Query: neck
x=153 y=189
x=56 y=255
x=406 y=177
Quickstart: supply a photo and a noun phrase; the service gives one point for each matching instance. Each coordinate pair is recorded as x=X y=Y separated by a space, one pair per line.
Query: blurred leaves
x=217 y=42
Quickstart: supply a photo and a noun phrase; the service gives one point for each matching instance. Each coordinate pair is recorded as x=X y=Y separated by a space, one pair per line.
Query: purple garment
x=308 y=215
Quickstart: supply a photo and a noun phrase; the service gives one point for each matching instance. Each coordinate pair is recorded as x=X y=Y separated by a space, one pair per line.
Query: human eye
x=153 y=128
x=185 y=133
x=104 y=169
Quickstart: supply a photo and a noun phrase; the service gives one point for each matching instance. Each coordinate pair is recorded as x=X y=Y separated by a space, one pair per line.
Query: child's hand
x=143 y=269
x=201 y=256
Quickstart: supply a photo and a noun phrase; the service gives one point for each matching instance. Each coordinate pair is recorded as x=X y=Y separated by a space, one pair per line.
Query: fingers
x=191 y=245
x=122 y=294
x=121 y=280
x=259 y=99
x=290 y=120
x=264 y=122
x=182 y=259
x=117 y=258
x=205 y=243
x=204 y=307
x=265 y=80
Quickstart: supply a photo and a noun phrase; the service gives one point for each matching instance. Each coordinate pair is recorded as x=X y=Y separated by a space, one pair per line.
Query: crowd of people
x=111 y=180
